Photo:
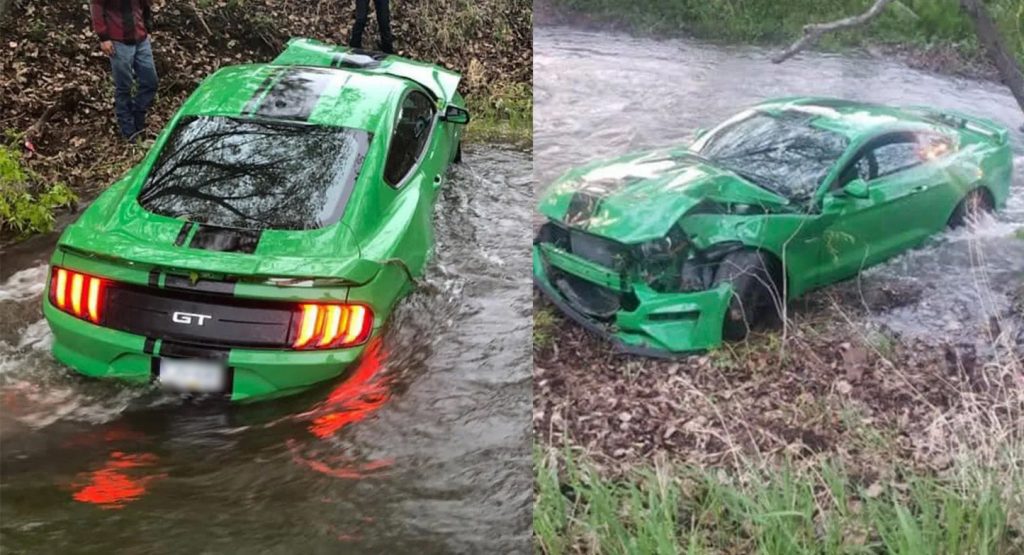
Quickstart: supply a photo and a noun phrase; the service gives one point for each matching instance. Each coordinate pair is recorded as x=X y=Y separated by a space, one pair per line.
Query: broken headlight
x=659 y=261
x=671 y=246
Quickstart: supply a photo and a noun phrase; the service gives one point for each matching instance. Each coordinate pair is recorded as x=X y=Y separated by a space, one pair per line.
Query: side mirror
x=699 y=132
x=857 y=188
x=454 y=114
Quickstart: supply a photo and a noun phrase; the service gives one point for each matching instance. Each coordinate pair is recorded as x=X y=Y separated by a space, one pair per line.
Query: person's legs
x=145 y=73
x=362 y=12
x=121 y=67
x=384 y=25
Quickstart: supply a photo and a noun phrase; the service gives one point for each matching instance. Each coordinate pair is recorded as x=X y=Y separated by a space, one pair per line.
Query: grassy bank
x=664 y=509
x=57 y=83
x=923 y=23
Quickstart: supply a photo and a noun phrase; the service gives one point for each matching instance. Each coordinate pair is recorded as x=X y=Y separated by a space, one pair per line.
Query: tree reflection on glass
x=255 y=174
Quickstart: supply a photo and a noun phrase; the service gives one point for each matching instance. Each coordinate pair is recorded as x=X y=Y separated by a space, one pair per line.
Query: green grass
x=769 y=21
x=505 y=116
x=672 y=509
x=544 y=321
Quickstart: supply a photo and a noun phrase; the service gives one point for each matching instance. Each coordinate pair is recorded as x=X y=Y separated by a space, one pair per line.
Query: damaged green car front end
x=673 y=250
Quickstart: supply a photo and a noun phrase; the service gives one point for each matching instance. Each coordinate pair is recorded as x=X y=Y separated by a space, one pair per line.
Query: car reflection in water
x=360 y=394
x=127 y=476
x=123 y=478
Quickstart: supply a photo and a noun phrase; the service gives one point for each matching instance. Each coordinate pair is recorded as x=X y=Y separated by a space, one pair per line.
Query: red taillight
x=332 y=326
x=78 y=294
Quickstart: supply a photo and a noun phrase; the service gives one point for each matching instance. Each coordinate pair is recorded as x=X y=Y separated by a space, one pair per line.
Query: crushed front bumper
x=654 y=324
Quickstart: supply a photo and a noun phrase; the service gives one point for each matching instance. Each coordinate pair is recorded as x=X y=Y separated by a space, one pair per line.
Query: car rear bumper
x=659 y=325
x=253 y=374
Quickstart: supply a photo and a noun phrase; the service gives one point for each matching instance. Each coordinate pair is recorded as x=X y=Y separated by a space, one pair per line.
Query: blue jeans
x=133 y=63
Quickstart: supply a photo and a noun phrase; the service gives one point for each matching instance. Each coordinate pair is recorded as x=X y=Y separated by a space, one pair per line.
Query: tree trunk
x=988 y=36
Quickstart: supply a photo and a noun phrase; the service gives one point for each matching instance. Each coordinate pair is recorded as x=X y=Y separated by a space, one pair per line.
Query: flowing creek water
x=599 y=95
x=425 y=447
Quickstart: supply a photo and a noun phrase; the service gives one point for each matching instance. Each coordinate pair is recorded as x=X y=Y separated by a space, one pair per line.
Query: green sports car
x=674 y=250
x=269 y=232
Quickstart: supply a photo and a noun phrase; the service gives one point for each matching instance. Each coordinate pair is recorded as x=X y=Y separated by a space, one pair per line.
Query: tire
x=755 y=292
x=458 y=153
x=970 y=208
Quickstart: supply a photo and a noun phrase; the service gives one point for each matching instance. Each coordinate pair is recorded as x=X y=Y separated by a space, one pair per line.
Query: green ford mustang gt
x=269 y=232
x=672 y=250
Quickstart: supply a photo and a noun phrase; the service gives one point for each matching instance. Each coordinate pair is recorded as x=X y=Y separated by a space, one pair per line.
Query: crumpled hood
x=639 y=196
x=116 y=227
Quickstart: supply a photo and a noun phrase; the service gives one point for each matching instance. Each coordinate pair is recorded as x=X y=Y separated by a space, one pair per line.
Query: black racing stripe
x=154 y=278
x=225 y=239
x=184 y=350
x=183 y=234
x=149 y=346
x=254 y=101
x=295 y=95
x=229 y=382
x=185 y=283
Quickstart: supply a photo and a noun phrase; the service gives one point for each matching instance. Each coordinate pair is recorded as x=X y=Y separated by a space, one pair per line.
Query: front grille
x=200 y=319
x=596 y=249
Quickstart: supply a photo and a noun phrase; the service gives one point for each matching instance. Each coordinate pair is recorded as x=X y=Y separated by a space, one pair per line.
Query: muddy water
x=599 y=95
x=424 y=448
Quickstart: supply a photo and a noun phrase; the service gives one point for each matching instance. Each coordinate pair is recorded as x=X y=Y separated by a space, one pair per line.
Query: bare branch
x=813 y=31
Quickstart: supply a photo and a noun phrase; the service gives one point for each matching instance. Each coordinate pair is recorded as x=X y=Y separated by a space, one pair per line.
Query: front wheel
x=754 y=288
x=971 y=208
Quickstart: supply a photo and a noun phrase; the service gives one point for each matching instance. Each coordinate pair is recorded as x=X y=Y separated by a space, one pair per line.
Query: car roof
x=318 y=95
x=855 y=120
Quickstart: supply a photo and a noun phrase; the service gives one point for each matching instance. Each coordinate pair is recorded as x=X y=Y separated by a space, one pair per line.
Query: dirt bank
x=828 y=387
x=56 y=79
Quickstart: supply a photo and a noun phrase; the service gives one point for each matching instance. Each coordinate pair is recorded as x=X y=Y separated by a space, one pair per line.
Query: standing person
x=123 y=29
x=383 y=24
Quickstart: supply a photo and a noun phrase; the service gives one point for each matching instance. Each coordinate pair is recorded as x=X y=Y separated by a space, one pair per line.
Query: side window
x=896 y=156
x=412 y=129
x=859 y=168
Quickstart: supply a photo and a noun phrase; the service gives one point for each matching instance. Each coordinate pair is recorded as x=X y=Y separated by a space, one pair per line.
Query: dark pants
x=132 y=65
x=383 y=24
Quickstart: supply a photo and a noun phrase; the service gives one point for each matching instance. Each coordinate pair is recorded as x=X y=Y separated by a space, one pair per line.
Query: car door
x=865 y=231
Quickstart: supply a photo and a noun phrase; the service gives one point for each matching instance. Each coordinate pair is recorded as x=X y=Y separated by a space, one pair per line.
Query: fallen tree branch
x=199 y=15
x=65 y=100
x=813 y=31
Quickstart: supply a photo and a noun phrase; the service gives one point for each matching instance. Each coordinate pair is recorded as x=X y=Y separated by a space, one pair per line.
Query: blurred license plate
x=184 y=374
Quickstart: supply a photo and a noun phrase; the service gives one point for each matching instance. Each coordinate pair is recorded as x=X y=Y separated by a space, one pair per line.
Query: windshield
x=783 y=154
x=255 y=174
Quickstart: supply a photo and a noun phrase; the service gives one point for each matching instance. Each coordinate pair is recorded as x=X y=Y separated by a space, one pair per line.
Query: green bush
x=26 y=205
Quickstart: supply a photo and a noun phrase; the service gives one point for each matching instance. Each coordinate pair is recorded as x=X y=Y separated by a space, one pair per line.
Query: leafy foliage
x=27 y=205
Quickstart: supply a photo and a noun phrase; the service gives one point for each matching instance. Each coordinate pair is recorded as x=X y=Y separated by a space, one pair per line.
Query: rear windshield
x=784 y=154
x=255 y=174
